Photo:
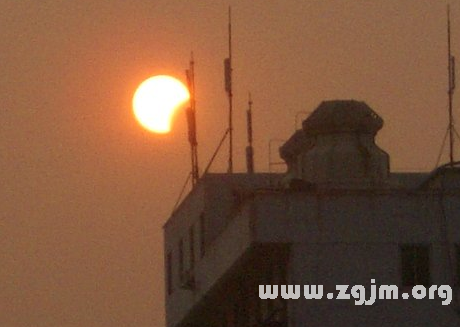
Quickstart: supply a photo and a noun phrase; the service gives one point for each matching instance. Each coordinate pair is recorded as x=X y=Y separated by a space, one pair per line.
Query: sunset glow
x=156 y=100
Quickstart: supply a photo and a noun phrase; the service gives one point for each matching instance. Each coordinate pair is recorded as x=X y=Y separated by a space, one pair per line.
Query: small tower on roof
x=336 y=146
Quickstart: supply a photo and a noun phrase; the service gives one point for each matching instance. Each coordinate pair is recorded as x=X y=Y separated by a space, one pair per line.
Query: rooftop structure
x=338 y=216
x=337 y=146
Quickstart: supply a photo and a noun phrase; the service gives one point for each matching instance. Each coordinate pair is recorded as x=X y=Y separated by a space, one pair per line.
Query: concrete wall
x=337 y=237
x=353 y=237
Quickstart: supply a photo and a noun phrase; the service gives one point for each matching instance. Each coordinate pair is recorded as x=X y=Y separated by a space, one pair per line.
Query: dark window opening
x=192 y=247
x=169 y=282
x=273 y=312
x=457 y=264
x=202 y=236
x=238 y=199
x=181 y=259
x=415 y=263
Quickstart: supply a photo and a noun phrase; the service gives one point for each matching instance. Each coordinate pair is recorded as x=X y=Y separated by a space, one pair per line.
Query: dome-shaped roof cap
x=342 y=116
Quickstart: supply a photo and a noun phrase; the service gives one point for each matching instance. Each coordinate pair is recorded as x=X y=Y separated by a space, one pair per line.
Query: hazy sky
x=85 y=191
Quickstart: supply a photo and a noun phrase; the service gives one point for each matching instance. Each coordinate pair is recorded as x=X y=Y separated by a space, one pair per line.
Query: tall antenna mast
x=191 y=120
x=249 y=148
x=451 y=71
x=228 y=89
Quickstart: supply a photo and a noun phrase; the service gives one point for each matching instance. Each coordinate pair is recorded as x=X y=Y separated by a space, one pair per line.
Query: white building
x=338 y=216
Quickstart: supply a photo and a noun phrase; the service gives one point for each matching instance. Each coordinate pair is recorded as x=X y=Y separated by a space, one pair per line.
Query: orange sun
x=156 y=100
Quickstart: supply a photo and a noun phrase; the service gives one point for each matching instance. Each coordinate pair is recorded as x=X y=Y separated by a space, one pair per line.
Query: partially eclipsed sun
x=156 y=100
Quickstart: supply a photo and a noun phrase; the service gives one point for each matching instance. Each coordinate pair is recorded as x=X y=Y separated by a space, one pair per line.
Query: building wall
x=351 y=238
x=217 y=202
x=335 y=237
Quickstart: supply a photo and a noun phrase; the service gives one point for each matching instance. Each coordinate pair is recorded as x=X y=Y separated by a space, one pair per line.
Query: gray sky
x=85 y=190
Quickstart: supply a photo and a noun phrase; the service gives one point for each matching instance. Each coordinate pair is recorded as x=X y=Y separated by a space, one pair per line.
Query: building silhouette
x=338 y=216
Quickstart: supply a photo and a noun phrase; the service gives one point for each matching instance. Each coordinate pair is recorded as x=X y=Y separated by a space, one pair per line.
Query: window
x=202 y=235
x=273 y=311
x=192 y=247
x=169 y=282
x=181 y=259
x=457 y=264
x=238 y=200
x=415 y=263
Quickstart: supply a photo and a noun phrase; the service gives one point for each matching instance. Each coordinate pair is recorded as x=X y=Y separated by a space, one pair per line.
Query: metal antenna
x=249 y=148
x=451 y=75
x=228 y=89
x=191 y=120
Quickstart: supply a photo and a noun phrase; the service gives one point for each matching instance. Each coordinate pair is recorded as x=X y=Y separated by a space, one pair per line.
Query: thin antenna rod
x=451 y=75
x=228 y=88
x=191 y=120
x=249 y=148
